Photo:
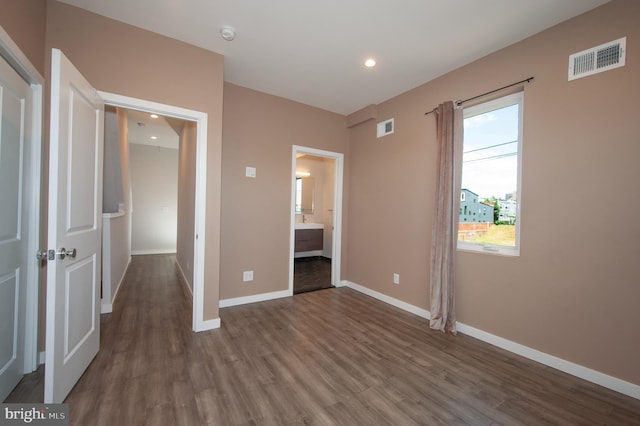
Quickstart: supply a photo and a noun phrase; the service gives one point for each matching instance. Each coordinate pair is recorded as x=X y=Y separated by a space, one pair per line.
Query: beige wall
x=121 y=59
x=186 y=200
x=24 y=21
x=259 y=131
x=315 y=166
x=574 y=290
x=572 y=293
x=112 y=192
x=154 y=194
x=125 y=168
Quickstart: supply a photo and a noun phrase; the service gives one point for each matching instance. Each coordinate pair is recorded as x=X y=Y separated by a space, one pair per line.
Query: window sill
x=489 y=249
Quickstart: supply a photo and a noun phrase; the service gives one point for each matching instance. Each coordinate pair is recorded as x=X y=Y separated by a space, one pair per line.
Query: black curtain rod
x=458 y=103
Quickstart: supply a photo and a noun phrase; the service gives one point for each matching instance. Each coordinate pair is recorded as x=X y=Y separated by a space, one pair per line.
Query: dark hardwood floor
x=333 y=357
x=311 y=273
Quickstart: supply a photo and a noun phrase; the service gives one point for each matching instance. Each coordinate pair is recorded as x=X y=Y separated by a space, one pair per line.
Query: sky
x=490 y=165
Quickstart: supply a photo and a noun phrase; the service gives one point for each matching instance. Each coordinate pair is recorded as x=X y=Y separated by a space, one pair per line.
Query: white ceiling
x=142 y=127
x=313 y=51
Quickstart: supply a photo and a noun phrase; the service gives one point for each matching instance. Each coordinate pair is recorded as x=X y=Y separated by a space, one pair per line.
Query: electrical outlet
x=250 y=172
x=247 y=276
x=396 y=278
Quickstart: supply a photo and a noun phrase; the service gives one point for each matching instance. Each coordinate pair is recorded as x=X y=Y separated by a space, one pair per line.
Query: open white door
x=75 y=228
x=15 y=116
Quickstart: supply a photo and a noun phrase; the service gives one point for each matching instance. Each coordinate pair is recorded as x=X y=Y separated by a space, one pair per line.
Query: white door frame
x=336 y=251
x=10 y=51
x=198 y=322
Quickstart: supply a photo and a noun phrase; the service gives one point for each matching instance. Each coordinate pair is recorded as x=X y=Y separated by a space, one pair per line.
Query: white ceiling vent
x=598 y=59
x=385 y=128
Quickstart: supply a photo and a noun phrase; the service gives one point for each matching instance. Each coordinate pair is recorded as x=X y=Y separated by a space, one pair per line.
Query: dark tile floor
x=311 y=273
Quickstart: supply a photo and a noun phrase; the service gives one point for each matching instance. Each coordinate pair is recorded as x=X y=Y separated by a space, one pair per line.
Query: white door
x=75 y=226
x=15 y=105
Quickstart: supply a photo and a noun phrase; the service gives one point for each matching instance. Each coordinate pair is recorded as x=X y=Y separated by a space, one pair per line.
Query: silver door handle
x=51 y=254
x=62 y=253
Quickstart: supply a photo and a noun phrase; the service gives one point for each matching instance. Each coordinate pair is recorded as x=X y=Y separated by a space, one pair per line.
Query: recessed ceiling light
x=154 y=137
x=370 y=63
x=154 y=116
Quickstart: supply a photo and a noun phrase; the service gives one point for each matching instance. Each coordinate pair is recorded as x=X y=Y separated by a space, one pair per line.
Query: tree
x=496 y=208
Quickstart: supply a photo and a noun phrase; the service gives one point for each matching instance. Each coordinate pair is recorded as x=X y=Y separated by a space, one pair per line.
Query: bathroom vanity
x=308 y=237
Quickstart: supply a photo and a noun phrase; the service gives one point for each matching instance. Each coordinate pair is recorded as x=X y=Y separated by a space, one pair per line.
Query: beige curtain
x=445 y=224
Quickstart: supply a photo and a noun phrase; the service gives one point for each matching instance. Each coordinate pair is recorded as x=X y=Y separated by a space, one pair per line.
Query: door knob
x=62 y=253
x=51 y=254
x=42 y=254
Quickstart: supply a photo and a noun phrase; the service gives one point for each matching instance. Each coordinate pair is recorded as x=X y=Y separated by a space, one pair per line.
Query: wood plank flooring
x=311 y=274
x=332 y=357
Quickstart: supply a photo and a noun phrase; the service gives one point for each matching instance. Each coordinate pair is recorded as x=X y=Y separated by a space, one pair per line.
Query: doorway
x=316 y=219
x=20 y=169
x=200 y=120
x=148 y=194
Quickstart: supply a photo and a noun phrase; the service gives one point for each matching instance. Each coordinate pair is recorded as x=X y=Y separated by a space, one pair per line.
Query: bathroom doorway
x=315 y=219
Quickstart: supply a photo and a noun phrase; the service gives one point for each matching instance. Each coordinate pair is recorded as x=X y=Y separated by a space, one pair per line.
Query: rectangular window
x=491 y=163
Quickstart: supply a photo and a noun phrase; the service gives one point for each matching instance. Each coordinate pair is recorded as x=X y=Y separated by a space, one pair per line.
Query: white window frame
x=505 y=101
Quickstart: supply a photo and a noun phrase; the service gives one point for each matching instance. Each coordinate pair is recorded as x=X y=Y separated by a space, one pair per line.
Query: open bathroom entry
x=316 y=218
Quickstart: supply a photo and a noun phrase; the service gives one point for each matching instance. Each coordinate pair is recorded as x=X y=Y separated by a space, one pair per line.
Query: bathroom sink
x=309 y=226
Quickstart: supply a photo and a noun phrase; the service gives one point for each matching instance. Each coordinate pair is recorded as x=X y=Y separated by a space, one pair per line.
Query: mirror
x=304 y=195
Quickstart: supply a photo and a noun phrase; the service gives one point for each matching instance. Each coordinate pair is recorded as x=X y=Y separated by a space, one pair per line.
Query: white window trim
x=481 y=109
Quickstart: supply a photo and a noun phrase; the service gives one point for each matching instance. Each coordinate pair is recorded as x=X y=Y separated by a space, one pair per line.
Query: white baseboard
x=42 y=357
x=205 y=325
x=225 y=303
x=390 y=300
x=568 y=367
x=155 y=251
x=184 y=280
x=313 y=253
x=107 y=307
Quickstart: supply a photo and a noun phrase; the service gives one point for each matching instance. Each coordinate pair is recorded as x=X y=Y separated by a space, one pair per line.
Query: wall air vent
x=385 y=128
x=597 y=59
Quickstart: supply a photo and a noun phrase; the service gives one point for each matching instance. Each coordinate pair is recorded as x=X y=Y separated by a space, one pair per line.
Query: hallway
x=144 y=345
x=142 y=348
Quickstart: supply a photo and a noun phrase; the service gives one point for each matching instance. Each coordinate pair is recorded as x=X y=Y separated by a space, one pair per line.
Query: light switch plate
x=250 y=172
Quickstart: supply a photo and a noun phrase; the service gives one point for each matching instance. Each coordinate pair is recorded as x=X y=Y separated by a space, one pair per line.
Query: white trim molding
x=106 y=306
x=153 y=251
x=201 y=118
x=568 y=367
x=184 y=280
x=588 y=374
x=10 y=51
x=263 y=297
x=390 y=300
x=336 y=252
x=211 y=324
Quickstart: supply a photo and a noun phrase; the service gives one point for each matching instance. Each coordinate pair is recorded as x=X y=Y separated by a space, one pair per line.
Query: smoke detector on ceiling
x=227 y=32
